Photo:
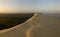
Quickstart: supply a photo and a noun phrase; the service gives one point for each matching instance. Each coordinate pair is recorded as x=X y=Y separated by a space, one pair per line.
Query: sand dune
x=36 y=26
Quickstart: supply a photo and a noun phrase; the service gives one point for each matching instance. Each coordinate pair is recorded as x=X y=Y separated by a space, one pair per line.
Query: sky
x=48 y=5
x=17 y=5
x=29 y=5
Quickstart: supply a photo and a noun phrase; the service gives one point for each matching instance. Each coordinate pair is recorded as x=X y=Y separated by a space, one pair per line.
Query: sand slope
x=36 y=26
x=45 y=26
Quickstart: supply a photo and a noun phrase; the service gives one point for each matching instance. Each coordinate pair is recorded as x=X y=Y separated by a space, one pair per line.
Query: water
x=51 y=14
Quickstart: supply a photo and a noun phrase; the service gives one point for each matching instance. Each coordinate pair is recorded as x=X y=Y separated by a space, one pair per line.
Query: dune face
x=45 y=26
x=37 y=26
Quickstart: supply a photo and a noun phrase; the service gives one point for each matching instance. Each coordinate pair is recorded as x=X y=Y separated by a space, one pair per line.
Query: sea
x=52 y=14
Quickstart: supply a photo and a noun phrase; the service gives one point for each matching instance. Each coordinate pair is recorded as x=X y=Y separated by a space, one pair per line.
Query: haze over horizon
x=29 y=5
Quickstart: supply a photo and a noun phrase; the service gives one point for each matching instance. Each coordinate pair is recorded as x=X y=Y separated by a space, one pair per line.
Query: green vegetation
x=10 y=20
